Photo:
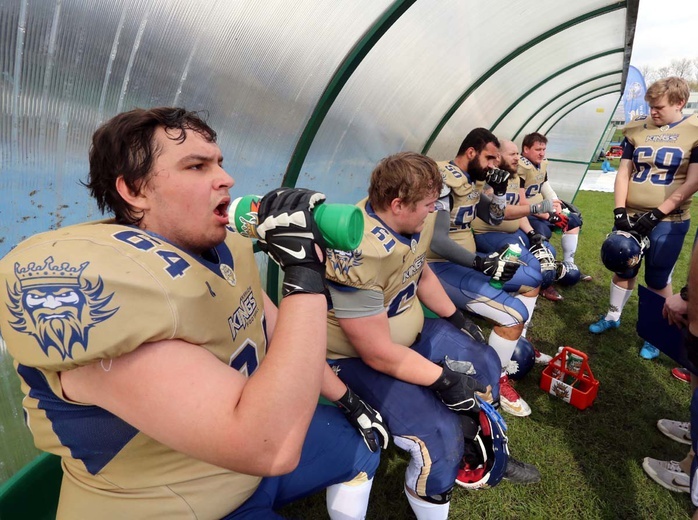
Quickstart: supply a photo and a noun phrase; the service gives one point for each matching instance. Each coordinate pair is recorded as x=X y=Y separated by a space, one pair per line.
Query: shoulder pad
x=638 y=122
x=71 y=296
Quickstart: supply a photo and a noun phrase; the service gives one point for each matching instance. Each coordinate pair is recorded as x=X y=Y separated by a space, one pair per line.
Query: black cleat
x=521 y=473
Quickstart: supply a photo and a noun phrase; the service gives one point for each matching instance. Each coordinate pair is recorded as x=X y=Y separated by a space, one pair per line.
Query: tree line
x=686 y=68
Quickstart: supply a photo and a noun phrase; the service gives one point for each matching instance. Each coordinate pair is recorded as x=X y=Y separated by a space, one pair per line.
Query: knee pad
x=656 y=280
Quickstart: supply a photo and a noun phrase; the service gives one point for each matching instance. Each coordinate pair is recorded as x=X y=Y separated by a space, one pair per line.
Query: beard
x=60 y=333
x=478 y=172
x=508 y=167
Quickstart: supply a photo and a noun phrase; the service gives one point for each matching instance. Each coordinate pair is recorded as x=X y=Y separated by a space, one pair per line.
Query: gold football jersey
x=512 y=197
x=386 y=262
x=661 y=157
x=96 y=291
x=533 y=178
x=463 y=208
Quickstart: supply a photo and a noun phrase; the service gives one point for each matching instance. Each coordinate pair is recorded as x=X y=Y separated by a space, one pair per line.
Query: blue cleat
x=603 y=325
x=649 y=351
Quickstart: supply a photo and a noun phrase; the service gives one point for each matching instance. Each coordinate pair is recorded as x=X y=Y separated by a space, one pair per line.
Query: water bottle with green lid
x=512 y=254
x=341 y=225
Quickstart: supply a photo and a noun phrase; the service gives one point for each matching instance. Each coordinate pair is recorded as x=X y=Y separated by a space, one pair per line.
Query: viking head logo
x=54 y=305
x=343 y=261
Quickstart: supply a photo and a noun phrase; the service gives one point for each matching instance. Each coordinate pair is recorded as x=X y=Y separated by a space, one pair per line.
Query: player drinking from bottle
x=152 y=361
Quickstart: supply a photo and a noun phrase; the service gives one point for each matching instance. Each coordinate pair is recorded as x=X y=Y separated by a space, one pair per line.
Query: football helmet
x=567 y=273
x=522 y=360
x=492 y=449
x=622 y=252
x=547 y=263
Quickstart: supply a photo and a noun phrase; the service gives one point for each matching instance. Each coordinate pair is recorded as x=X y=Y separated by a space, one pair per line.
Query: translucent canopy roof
x=309 y=93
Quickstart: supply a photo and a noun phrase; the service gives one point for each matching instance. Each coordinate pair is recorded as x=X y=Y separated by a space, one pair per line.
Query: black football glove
x=468 y=327
x=288 y=234
x=621 y=221
x=499 y=180
x=559 y=220
x=495 y=267
x=544 y=206
x=647 y=221
x=535 y=238
x=365 y=419
x=456 y=389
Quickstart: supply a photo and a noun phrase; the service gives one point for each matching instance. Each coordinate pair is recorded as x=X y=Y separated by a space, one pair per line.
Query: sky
x=666 y=30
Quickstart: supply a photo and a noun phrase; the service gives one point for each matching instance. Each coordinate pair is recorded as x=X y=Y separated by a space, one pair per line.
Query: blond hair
x=675 y=88
x=407 y=176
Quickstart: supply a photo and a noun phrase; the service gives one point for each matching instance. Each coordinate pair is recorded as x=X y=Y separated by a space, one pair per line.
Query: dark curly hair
x=125 y=147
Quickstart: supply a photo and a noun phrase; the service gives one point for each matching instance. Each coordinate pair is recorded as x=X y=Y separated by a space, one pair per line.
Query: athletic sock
x=424 y=510
x=619 y=297
x=349 y=500
x=569 y=247
x=503 y=347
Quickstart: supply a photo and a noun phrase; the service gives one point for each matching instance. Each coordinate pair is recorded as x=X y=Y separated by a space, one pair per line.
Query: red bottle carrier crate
x=569 y=377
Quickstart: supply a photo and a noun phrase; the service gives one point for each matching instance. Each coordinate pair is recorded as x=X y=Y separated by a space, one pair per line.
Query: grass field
x=590 y=460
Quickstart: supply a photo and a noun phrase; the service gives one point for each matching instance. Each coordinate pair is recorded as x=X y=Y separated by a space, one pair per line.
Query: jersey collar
x=216 y=256
x=402 y=238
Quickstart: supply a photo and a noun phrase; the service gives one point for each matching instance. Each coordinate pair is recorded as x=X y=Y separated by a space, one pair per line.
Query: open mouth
x=222 y=209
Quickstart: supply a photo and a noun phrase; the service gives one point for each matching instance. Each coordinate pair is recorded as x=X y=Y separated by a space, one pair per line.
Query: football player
x=533 y=172
x=422 y=375
x=464 y=274
x=657 y=176
x=489 y=238
x=141 y=342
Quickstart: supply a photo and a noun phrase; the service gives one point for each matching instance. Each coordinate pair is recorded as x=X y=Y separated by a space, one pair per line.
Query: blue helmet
x=567 y=273
x=522 y=360
x=622 y=253
x=547 y=263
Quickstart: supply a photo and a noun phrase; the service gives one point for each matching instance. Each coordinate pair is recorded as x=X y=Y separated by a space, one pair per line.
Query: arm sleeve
x=491 y=209
x=628 y=149
x=349 y=302
x=548 y=192
x=446 y=248
x=694 y=156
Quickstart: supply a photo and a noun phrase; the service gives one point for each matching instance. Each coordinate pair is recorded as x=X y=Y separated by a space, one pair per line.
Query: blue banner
x=634 y=95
